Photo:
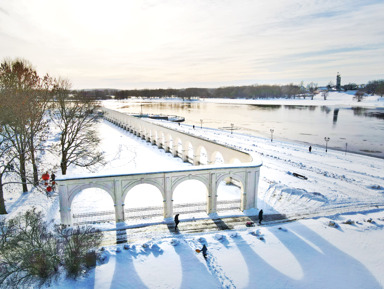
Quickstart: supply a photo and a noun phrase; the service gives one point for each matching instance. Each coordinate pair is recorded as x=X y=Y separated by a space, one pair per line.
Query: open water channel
x=359 y=130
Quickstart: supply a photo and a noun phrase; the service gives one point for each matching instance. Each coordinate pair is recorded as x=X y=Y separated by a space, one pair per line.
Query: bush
x=30 y=255
x=75 y=244
x=27 y=251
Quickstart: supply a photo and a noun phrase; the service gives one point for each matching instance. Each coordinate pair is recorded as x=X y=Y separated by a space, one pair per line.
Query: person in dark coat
x=53 y=177
x=177 y=221
x=204 y=251
x=310 y=148
x=260 y=216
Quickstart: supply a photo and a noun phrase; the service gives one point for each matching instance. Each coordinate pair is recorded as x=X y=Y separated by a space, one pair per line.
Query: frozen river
x=353 y=129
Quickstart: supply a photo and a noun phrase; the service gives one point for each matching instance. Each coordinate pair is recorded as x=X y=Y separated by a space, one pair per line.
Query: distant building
x=338 y=81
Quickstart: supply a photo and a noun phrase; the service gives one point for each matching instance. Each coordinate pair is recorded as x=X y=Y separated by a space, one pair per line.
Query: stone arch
x=188 y=151
x=201 y=156
x=182 y=198
x=162 y=139
x=178 y=147
x=74 y=191
x=169 y=143
x=128 y=187
x=87 y=201
x=215 y=156
x=235 y=161
x=146 y=198
x=230 y=179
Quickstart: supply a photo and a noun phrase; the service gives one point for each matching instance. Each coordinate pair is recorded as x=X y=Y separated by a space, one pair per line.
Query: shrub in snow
x=145 y=246
x=333 y=224
x=349 y=222
x=28 y=251
x=175 y=242
x=103 y=258
x=74 y=245
x=234 y=235
x=219 y=237
x=126 y=247
x=202 y=240
x=156 y=248
x=370 y=220
x=118 y=250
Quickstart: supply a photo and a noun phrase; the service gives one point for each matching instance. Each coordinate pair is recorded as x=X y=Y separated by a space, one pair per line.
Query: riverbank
x=334 y=99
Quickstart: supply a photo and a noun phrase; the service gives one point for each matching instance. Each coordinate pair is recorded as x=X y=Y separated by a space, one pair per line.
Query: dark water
x=357 y=129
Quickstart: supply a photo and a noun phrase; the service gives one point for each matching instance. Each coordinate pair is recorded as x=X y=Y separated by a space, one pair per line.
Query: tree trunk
x=3 y=211
x=63 y=165
x=35 y=172
x=23 y=173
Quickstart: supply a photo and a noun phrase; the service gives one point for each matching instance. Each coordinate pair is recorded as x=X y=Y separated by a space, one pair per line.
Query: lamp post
x=201 y=123
x=232 y=127
x=272 y=130
x=346 y=148
x=326 y=143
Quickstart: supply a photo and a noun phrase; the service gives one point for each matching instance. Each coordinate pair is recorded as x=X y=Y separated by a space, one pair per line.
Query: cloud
x=203 y=42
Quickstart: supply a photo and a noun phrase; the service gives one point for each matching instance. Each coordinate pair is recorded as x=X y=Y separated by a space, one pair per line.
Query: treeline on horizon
x=248 y=92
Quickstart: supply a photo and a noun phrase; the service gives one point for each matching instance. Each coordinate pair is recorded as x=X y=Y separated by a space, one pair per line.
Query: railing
x=140 y=213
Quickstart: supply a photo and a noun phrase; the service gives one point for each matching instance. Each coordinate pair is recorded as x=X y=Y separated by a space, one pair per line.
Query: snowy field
x=306 y=253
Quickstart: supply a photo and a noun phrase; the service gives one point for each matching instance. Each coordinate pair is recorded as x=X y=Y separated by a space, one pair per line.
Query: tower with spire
x=338 y=82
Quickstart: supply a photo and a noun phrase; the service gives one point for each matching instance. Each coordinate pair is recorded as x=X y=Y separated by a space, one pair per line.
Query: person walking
x=310 y=148
x=204 y=251
x=260 y=216
x=177 y=221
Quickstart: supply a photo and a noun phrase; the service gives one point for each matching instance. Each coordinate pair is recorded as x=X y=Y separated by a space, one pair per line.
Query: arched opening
x=235 y=161
x=162 y=140
x=229 y=195
x=190 y=199
x=190 y=154
x=92 y=206
x=217 y=158
x=143 y=202
x=202 y=155
x=179 y=148
x=170 y=144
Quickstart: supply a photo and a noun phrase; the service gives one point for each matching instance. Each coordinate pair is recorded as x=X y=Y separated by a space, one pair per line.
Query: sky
x=196 y=43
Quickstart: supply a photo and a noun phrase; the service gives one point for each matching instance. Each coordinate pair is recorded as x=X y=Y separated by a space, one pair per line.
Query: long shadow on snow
x=343 y=271
x=124 y=267
x=346 y=272
x=197 y=278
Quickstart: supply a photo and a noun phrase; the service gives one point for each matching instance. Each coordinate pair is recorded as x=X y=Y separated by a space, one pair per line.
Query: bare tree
x=76 y=117
x=359 y=95
x=7 y=157
x=325 y=94
x=23 y=104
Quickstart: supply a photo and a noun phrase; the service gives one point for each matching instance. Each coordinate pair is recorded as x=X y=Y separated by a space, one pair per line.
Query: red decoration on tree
x=49 y=189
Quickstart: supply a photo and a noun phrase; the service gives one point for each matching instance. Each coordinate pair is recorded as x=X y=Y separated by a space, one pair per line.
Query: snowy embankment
x=334 y=98
x=304 y=254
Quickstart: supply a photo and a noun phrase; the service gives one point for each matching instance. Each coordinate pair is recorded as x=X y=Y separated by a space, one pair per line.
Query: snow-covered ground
x=334 y=98
x=307 y=253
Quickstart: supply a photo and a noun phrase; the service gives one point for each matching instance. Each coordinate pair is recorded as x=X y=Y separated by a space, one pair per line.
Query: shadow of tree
x=326 y=268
